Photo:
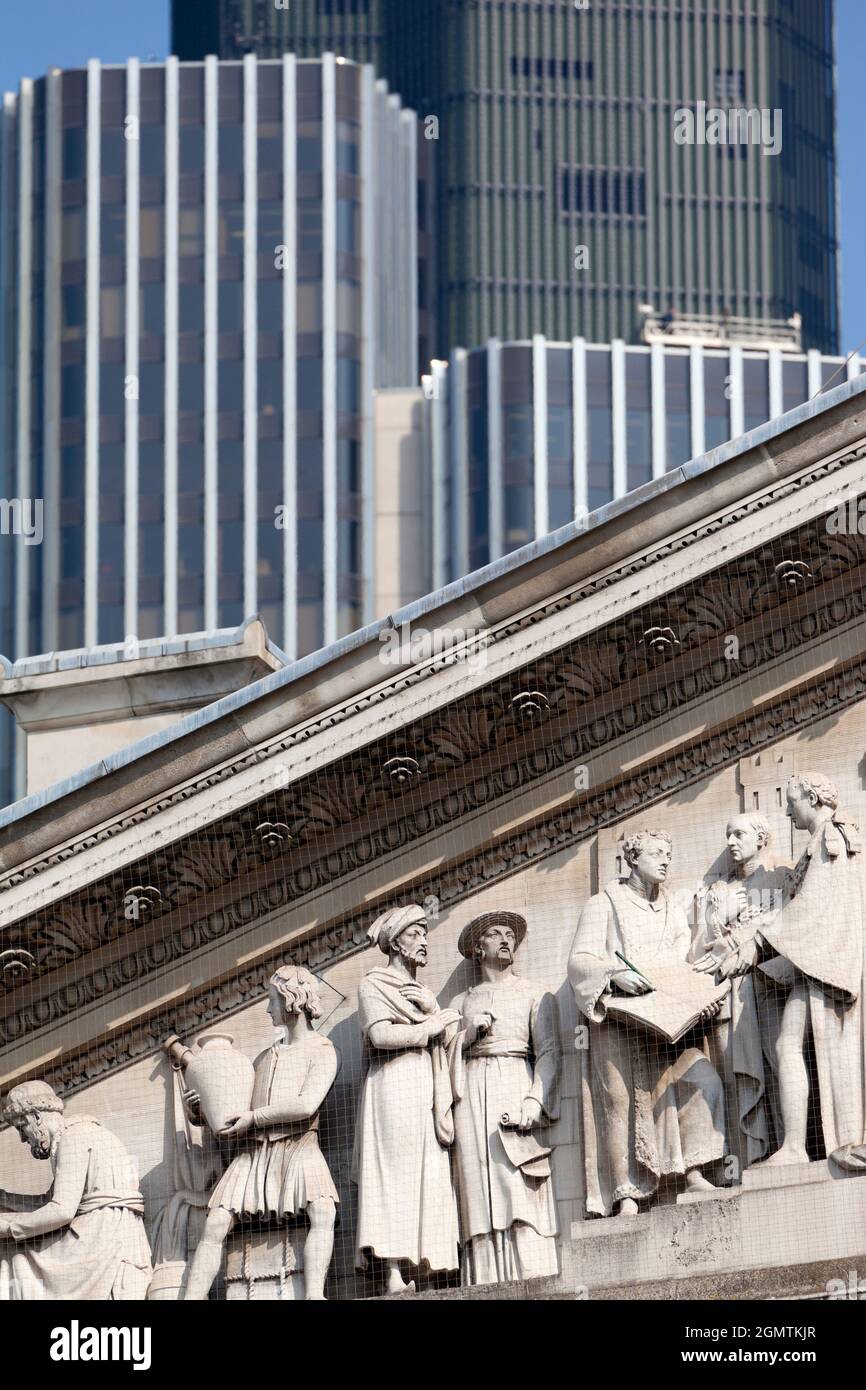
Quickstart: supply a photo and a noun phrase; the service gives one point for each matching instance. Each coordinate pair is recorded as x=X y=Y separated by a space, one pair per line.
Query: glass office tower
x=527 y=436
x=554 y=130
x=207 y=268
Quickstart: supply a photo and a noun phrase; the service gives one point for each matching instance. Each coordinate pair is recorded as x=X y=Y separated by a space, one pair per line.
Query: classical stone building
x=668 y=664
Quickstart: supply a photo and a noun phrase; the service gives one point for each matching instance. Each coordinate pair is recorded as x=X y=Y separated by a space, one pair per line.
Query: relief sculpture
x=87 y=1241
x=653 y=1104
x=702 y=1051
x=808 y=954
x=505 y=1071
x=276 y=1171
x=407 y=1214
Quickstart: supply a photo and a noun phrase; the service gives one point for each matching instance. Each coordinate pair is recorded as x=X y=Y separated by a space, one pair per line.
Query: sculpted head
x=402 y=933
x=293 y=990
x=807 y=794
x=498 y=944
x=746 y=836
x=648 y=855
x=412 y=944
x=37 y=1114
x=493 y=938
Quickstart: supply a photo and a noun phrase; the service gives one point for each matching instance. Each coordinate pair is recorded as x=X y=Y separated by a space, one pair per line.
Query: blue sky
x=65 y=33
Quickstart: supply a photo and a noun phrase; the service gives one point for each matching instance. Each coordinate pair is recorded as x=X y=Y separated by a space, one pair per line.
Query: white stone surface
x=505 y=1065
x=403 y=562
x=763 y=1228
x=407 y=1212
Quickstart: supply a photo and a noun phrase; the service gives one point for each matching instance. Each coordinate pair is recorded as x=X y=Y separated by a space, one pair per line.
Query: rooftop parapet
x=721 y=331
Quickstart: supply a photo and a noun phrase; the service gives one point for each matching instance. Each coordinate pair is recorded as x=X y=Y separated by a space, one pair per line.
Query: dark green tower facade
x=564 y=199
x=356 y=29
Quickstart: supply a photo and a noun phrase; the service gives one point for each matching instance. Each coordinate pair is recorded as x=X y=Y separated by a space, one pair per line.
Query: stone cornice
x=482 y=745
x=545 y=837
x=663 y=514
x=600 y=691
x=386 y=690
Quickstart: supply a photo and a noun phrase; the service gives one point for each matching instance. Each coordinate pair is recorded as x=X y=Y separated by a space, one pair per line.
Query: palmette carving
x=72 y=928
x=734 y=595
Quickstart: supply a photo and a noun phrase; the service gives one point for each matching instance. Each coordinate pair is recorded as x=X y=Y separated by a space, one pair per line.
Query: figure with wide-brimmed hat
x=407 y=1215
x=505 y=1078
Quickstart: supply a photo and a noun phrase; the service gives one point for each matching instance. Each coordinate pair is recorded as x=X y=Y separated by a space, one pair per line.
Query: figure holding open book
x=653 y=1103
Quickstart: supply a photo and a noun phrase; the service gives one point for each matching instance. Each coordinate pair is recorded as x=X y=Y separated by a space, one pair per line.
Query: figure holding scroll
x=819 y=937
x=652 y=1108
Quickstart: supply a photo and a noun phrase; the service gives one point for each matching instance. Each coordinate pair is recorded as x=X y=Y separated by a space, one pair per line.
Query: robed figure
x=651 y=1110
x=733 y=910
x=819 y=969
x=407 y=1215
x=505 y=1069
x=87 y=1240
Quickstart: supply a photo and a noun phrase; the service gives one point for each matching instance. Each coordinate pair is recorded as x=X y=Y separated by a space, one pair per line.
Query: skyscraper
x=269 y=28
x=209 y=267
x=565 y=199
x=531 y=435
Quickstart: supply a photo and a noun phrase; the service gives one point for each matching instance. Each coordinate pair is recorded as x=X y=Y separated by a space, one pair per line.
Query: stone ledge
x=726 y=1235
x=801 y=1281
x=798 y=1281
x=533 y=1290
x=785 y=1240
x=721 y=1194
x=794 y=1175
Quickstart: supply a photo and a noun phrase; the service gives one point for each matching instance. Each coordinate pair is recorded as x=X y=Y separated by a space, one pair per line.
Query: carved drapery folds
x=456 y=1145
x=724 y=598
x=441 y=768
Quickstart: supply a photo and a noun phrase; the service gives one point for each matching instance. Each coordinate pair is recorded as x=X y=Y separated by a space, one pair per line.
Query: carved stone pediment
x=575 y=679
